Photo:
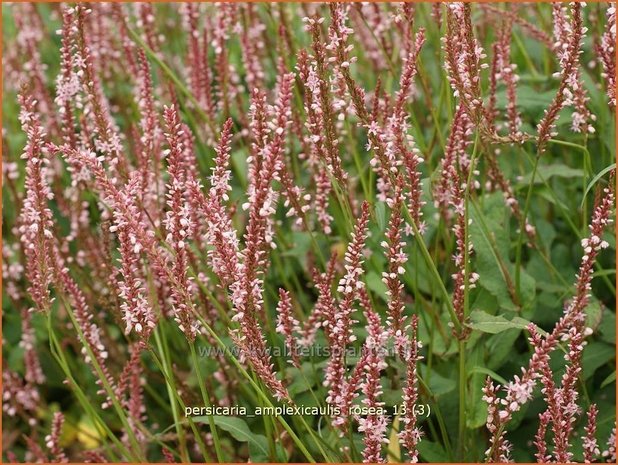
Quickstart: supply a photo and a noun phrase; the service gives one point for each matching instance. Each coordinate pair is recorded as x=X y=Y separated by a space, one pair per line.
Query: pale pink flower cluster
x=36 y=225
x=374 y=424
x=287 y=325
x=396 y=259
x=589 y=440
x=464 y=59
x=571 y=328
x=339 y=325
x=410 y=434
x=178 y=224
x=607 y=54
x=575 y=92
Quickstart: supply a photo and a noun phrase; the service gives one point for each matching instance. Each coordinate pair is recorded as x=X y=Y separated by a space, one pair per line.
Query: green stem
x=104 y=382
x=462 y=400
x=206 y=399
x=171 y=389
x=522 y=228
x=264 y=397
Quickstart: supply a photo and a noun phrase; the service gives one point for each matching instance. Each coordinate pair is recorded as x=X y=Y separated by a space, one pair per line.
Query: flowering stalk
x=340 y=331
x=52 y=440
x=36 y=226
x=318 y=102
x=178 y=224
x=589 y=440
x=410 y=434
x=287 y=325
x=607 y=56
x=396 y=259
x=519 y=391
x=247 y=291
x=569 y=60
x=464 y=57
x=374 y=425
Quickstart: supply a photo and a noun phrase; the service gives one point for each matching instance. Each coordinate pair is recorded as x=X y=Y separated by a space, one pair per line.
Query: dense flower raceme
x=570 y=328
x=184 y=183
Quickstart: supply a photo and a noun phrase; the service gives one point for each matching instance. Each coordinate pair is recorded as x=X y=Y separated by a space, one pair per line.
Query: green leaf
x=239 y=430
x=375 y=284
x=380 y=212
x=495 y=324
x=500 y=346
x=486 y=371
x=596 y=179
x=548 y=171
x=607 y=328
x=432 y=452
x=490 y=235
x=596 y=354
x=594 y=313
x=609 y=380
x=438 y=384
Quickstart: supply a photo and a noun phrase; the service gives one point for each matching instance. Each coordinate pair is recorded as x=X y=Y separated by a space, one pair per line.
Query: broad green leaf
x=609 y=380
x=432 y=452
x=486 y=371
x=596 y=354
x=607 y=328
x=548 y=171
x=500 y=346
x=239 y=430
x=438 y=384
x=476 y=408
x=375 y=284
x=494 y=324
x=594 y=313
x=490 y=236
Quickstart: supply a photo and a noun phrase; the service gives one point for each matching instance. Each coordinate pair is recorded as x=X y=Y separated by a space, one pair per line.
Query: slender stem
x=462 y=400
x=522 y=229
x=171 y=389
x=206 y=399
x=104 y=382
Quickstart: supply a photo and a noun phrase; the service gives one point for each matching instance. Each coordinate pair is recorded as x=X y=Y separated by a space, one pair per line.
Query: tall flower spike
x=569 y=61
x=410 y=434
x=374 y=425
x=506 y=72
x=401 y=145
x=396 y=260
x=464 y=248
x=287 y=325
x=463 y=63
x=138 y=314
x=318 y=103
x=341 y=331
x=247 y=290
x=455 y=151
x=105 y=130
x=542 y=455
x=607 y=55
x=383 y=161
x=589 y=440
x=575 y=92
x=52 y=440
x=220 y=232
x=519 y=391
x=178 y=224
x=36 y=225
